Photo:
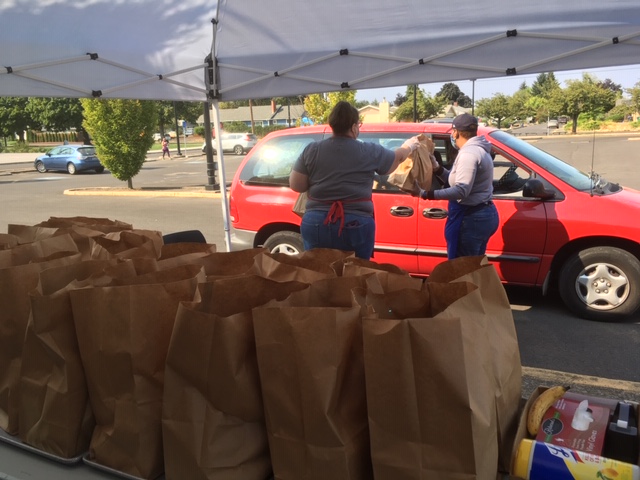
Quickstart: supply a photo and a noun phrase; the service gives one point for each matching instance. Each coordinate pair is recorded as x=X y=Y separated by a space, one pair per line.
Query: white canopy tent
x=146 y=49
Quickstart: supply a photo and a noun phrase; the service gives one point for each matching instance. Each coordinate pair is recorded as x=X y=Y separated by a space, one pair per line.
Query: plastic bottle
x=543 y=461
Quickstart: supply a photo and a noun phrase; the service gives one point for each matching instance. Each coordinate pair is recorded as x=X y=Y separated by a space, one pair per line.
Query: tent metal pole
x=211 y=165
x=223 y=181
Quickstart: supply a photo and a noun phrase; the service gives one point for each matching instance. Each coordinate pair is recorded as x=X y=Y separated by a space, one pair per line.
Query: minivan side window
x=271 y=163
x=393 y=140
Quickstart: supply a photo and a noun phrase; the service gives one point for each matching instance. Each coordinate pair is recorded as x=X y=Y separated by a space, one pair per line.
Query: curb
x=125 y=192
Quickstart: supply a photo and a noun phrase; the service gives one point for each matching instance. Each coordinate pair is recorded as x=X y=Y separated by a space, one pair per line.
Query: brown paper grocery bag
x=127 y=244
x=503 y=339
x=30 y=233
x=104 y=225
x=417 y=167
x=215 y=264
x=15 y=285
x=312 y=377
x=23 y=254
x=213 y=417
x=353 y=266
x=123 y=333
x=54 y=412
x=8 y=241
x=306 y=267
x=430 y=386
x=80 y=235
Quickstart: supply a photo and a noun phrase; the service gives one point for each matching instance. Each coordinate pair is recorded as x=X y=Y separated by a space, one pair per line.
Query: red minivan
x=559 y=227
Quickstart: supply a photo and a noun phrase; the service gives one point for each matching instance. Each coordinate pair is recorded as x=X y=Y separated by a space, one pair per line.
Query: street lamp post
x=175 y=117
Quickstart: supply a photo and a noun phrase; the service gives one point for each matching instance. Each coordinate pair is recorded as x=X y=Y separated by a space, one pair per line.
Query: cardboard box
x=522 y=424
x=565 y=424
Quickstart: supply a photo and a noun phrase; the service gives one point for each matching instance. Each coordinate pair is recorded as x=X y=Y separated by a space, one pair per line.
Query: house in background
x=382 y=113
x=263 y=115
x=453 y=110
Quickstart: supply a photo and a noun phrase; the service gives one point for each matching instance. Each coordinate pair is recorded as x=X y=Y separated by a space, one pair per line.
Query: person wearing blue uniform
x=472 y=218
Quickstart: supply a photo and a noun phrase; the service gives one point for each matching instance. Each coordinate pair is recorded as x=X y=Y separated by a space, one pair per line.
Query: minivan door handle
x=434 y=213
x=401 y=211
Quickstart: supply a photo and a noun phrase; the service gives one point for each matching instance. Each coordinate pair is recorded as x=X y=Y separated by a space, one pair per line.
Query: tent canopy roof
x=146 y=49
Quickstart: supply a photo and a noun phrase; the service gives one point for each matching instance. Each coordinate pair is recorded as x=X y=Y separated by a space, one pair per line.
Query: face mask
x=453 y=142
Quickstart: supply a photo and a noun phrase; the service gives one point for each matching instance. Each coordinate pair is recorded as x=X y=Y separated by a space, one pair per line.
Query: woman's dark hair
x=343 y=117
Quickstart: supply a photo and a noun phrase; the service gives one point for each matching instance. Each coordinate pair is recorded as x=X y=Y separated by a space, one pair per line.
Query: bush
x=589 y=124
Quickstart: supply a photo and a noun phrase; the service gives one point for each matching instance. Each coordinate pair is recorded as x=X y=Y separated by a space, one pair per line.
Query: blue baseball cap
x=465 y=123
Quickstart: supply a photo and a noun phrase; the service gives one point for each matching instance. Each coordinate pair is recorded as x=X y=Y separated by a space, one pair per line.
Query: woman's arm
x=298 y=182
x=401 y=154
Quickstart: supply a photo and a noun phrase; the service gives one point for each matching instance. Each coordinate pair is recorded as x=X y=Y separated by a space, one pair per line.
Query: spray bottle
x=543 y=461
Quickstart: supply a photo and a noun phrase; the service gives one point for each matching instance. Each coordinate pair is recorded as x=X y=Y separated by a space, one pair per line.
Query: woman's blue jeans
x=476 y=230
x=358 y=233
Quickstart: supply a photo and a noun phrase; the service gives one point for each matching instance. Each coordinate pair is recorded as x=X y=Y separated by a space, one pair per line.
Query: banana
x=541 y=405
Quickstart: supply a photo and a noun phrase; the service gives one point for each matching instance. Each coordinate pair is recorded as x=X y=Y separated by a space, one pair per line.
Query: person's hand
x=415 y=191
x=411 y=143
x=434 y=162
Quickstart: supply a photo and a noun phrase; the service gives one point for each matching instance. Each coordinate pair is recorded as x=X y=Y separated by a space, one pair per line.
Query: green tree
x=122 y=131
x=318 y=105
x=450 y=93
x=426 y=106
x=57 y=114
x=608 y=84
x=544 y=85
x=14 y=117
x=496 y=108
x=399 y=100
x=634 y=92
x=189 y=111
x=519 y=104
x=587 y=97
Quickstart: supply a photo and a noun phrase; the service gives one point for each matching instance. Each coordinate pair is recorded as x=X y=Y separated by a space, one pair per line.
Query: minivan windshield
x=577 y=179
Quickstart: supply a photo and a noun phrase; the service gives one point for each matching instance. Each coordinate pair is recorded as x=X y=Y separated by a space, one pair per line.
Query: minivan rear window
x=271 y=163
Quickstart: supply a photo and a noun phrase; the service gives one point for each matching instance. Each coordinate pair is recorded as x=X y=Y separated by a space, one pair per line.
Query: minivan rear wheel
x=286 y=242
x=238 y=150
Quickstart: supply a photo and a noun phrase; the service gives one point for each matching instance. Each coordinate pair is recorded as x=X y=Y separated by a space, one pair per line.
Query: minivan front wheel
x=601 y=283
x=285 y=242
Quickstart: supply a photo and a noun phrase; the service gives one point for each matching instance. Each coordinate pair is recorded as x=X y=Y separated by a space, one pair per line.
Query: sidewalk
x=24 y=162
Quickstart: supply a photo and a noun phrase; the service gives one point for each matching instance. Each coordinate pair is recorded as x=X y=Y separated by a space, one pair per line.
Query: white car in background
x=238 y=143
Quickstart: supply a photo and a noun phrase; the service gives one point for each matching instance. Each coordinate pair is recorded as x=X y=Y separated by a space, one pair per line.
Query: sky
x=626 y=76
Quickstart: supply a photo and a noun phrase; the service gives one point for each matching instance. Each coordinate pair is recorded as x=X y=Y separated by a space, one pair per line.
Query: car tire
x=601 y=283
x=99 y=169
x=71 y=168
x=40 y=167
x=285 y=242
x=238 y=150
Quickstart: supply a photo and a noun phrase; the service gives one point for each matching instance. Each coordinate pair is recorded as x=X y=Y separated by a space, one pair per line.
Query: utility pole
x=175 y=118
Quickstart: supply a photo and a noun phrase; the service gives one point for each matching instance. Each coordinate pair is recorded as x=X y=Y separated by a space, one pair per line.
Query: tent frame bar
x=21 y=71
x=435 y=60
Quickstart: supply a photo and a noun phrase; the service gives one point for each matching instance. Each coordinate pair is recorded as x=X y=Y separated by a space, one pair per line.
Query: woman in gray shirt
x=338 y=175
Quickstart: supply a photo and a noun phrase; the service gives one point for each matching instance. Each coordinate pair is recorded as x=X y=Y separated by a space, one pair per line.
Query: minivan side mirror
x=534 y=188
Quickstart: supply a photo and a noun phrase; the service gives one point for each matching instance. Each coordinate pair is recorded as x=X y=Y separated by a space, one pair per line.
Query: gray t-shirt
x=342 y=168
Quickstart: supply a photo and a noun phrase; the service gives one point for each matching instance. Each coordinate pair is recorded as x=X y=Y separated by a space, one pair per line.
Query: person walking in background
x=165 y=148
x=472 y=218
x=338 y=175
